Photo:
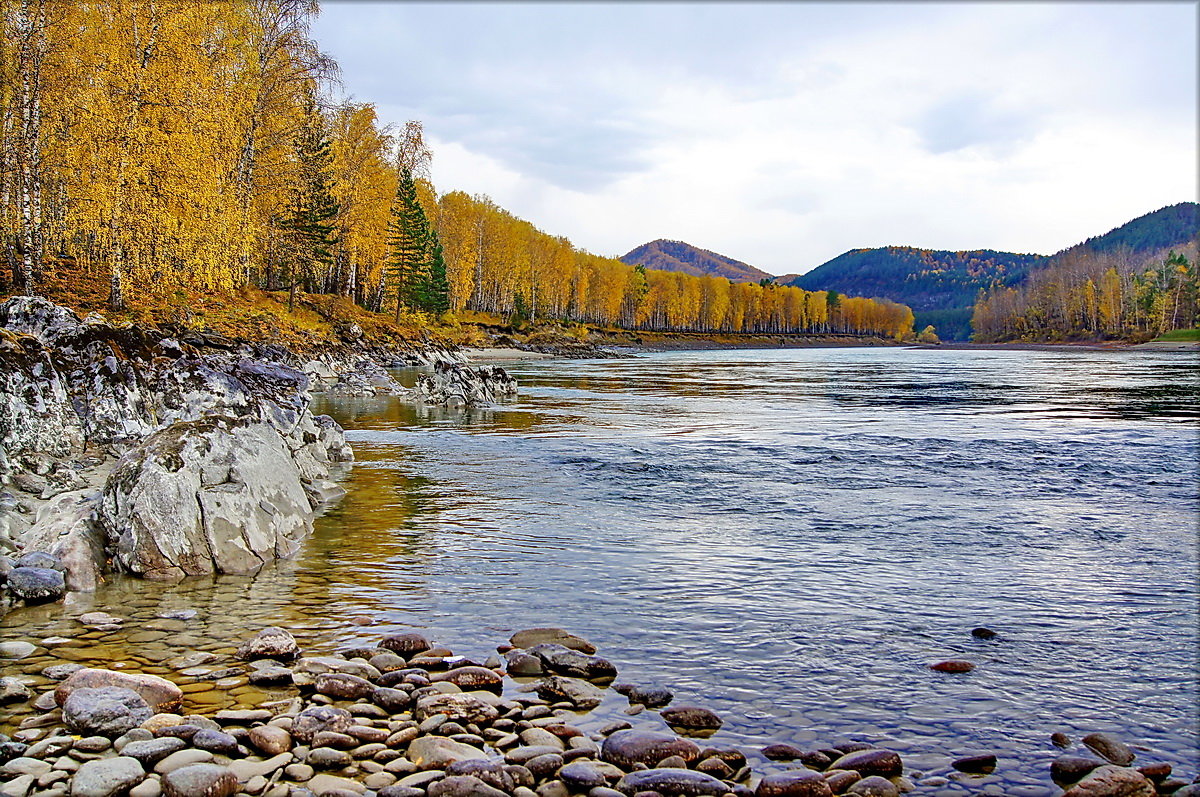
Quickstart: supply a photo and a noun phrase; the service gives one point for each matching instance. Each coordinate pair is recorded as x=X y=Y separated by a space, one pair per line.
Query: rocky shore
x=167 y=453
x=406 y=717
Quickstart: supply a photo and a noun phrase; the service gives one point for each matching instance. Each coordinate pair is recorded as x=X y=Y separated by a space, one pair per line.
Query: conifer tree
x=410 y=244
x=310 y=230
x=437 y=298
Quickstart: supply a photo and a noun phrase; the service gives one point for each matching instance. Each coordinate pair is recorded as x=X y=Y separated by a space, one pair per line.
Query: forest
x=169 y=148
x=1135 y=282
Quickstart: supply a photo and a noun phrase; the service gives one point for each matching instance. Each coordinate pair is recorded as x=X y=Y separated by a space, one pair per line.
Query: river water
x=787 y=537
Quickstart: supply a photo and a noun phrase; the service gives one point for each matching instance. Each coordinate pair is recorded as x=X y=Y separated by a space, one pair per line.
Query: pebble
x=200 y=780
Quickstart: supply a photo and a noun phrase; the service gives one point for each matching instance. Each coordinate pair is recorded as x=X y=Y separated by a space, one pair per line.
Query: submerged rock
x=160 y=694
x=106 y=711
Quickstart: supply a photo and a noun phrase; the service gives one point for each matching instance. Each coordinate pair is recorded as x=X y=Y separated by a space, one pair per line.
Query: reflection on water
x=789 y=537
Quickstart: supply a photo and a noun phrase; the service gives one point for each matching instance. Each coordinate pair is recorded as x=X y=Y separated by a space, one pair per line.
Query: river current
x=787 y=537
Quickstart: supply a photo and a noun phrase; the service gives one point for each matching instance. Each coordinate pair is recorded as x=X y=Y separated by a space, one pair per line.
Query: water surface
x=790 y=538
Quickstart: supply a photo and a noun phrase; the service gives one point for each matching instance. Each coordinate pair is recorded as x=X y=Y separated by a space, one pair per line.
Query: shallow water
x=788 y=537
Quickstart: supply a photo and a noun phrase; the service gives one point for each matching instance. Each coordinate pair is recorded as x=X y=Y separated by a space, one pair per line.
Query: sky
x=783 y=134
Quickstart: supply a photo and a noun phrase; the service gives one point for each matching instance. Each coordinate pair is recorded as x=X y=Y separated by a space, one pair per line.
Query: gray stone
x=271 y=739
x=330 y=784
x=328 y=758
x=106 y=711
x=456 y=707
x=691 y=718
x=580 y=694
x=214 y=741
x=151 y=751
x=13 y=691
x=463 y=786
x=245 y=769
x=874 y=786
x=436 y=752
x=182 y=758
x=37 y=584
x=160 y=694
x=311 y=721
x=16 y=650
x=24 y=765
x=200 y=780
x=672 y=782
x=270 y=643
x=106 y=777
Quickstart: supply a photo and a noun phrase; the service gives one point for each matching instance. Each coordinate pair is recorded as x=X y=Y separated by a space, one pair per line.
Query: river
x=789 y=537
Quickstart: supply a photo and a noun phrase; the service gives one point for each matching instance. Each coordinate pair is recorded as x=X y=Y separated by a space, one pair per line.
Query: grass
x=1179 y=336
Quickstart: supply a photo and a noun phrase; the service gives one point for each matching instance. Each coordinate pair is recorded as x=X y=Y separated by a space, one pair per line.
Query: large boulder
x=36 y=584
x=159 y=693
x=213 y=495
x=36 y=415
x=64 y=527
x=107 y=711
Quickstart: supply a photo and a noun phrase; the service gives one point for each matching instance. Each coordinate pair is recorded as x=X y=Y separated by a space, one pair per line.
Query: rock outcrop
x=220 y=460
x=457 y=385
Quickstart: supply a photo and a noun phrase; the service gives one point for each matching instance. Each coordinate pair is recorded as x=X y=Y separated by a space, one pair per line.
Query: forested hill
x=940 y=286
x=667 y=255
x=1172 y=226
x=1133 y=283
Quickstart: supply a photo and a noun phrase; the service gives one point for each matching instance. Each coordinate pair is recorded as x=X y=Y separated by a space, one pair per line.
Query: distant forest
x=169 y=147
x=1133 y=283
x=940 y=286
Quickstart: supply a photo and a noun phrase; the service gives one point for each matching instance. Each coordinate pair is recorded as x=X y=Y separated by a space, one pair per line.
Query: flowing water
x=787 y=537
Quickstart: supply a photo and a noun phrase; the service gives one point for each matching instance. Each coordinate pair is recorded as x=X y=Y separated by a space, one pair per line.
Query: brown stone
x=160 y=694
x=952 y=665
x=471 y=678
x=1112 y=781
x=884 y=763
x=794 y=783
x=626 y=748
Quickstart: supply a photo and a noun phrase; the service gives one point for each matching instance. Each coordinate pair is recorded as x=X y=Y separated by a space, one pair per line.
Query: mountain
x=679 y=256
x=1172 y=226
x=940 y=286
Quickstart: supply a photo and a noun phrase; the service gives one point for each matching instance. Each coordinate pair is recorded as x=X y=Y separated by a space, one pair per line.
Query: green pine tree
x=309 y=232
x=438 y=287
x=409 y=244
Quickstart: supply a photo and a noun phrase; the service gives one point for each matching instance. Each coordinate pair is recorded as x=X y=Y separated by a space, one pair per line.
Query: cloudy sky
x=783 y=134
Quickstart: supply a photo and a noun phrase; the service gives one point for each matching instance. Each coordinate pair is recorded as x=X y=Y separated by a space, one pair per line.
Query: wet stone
x=1110 y=748
x=106 y=711
x=976 y=764
x=328 y=758
x=152 y=751
x=794 y=783
x=406 y=645
x=628 y=747
x=842 y=779
x=270 y=643
x=952 y=666
x=270 y=739
x=182 y=758
x=874 y=786
x=691 y=718
x=200 y=780
x=60 y=672
x=884 y=763
x=556 y=636
x=312 y=721
x=670 y=782
x=107 y=777
x=1070 y=768
x=1112 y=781
x=463 y=786
x=214 y=741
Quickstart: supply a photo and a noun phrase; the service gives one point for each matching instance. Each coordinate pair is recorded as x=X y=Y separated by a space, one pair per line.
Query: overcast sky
x=783 y=134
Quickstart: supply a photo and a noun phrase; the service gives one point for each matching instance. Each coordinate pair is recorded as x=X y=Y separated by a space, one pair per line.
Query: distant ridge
x=667 y=255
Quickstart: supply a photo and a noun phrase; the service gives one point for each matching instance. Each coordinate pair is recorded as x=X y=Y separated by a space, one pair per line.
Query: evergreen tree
x=416 y=264
x=310 y=230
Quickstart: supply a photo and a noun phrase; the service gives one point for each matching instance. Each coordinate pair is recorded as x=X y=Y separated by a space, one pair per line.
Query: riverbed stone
x=13 y=691
x=436 y=752
x=463 y=786
x=407 y=644
x=37 y=584
x=1110 y=748
x=1071 y=768
x=105 y=711
x=182 y=758
x=271 y=739
x=151 y=751
x=325 y=783
x=976 y=764
x=459 y=707
x=568 y=661
x=470 y=678
x=578 y=693
x=875 y=761
x=794 y=783
x=550 y=635
x=873 y=786
x=200 y=780
x=106 y=777
x=311 y=721
x=160 y=694
x=670 y=782
x=269 y=643
x=246 y=769
x=628 y=748
x=691 y=719
x=952 y=666
x=17 y=649
x=1112 y=781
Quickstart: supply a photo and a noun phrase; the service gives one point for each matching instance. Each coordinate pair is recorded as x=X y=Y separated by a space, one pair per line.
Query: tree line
x=1087 y=294
x=171 y=146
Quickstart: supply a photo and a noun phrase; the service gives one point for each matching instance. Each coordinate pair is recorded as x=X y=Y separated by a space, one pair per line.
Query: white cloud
x=784 y=134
